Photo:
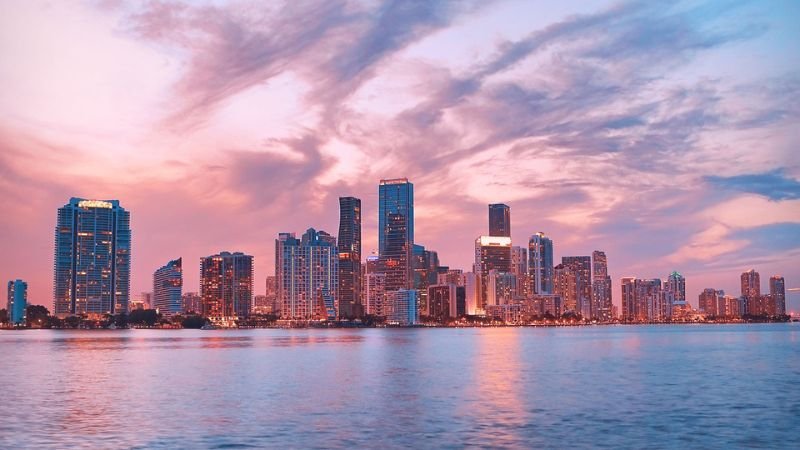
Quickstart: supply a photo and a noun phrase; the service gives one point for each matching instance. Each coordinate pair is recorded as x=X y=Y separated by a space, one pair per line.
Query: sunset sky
x=666 y=135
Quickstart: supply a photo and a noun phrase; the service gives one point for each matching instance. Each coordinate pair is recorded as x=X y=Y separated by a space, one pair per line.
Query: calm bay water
x=613 y=386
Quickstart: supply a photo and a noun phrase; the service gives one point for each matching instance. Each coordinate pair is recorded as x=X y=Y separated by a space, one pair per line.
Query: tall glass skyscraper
x=777 y=292
x=499 y=220
x=581 y=266
x=601 y=287
x=540 y=264
x=17 y=301
x=349 y=245
x=491 y=253
x=396 y=232
x=168 y=288
x=92 y=258
x=226 y=285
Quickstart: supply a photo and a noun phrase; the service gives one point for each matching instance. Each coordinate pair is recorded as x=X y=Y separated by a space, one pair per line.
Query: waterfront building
x=307 y=274
x=442 y=303
x=396 y=232
x=403 y=307
x=566 y=286
x=491 y=253
x=168 y=287
x=271 y=292
x=777 y=291
x=519 y=267
x=92 y=258
x=192 y=303
x=375 y=294
x=226 y=285
x=455 y=276
x=17 y=302
x=642 y=300
x=751 y=292
x=581 y=266
x=546 y=304
x=676 y=286
x=540 y=264
x=708 y=302
x=512 y=313
x=146 y=299
x=349 y=248
x=425 y=264
x=501 y=288
x=629 y=311
x=601 y=287
x=472 y=292
x=499 y=220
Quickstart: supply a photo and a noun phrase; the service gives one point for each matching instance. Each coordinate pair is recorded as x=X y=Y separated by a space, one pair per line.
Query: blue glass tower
x=17 y=301
x=396 y=232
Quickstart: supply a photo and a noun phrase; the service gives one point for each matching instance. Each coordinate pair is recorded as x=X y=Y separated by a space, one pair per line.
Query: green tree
x=147 y=317
x=193 y=321
x=37 y=315
x=3 y=315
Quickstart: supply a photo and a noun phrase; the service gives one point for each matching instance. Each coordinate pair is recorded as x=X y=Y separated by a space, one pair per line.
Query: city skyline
x=691 y=170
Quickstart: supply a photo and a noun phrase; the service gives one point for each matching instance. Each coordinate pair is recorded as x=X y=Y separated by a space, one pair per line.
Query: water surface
x=676 y=386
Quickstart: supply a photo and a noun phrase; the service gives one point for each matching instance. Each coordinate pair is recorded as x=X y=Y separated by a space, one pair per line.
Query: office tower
x=92 y=258
x=601 y=287
x=751 y=292
x=728 y=306
x=472 y=293
x=442 y=304
x=271 y=293
x=461 y=301
x=226 y=285
x=540 y=264
x=491 y=253
x=403 y=307
x=501 y=288
x=708 y=302
x=629 y=310
x=261 y=305
x=676 y=286
x=192 y=303
x=582 y=267
x=566 y=286
x=499 y=220
x=546 y=305
x=455 y=276
x=167 y=288
x=375 y=294
x=425 y=264
x=349 y=247
x=307 y=272
x=17 y=302
x=777 y=291
x=396 y=232
x=519 y=267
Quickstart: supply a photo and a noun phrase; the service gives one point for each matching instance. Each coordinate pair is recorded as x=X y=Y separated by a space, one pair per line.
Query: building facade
x=17 y=302
x=540 y=264
x=491 y=253
x=396 y=232
x=601 y=287
x=777 y=291
x=499 y=220
x=751 y=292
x=168 y=288
x=581 y=266
x=226 y=285
x=402 y=307
x=307 y=273
x=349 y=248
x=92 y=258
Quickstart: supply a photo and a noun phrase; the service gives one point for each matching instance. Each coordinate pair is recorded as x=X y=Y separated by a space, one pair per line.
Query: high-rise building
x=349 y=247
x=168 y=287
x=403 y=307
x=472 y=293
x=271 y=292
x=192 y=303
x=491 y=253
x=92 y=258
x=226 y=285
x=751 y=292
x=501 y=288
x=581 y=266
x=642 y=300
x=566 y=287
x=425 y=264
x=307 y=272
x=17 y=302
x=442 y=303
x=519 y=267
x=777 y=291
x=676 y=287
x=396 y=232
x=708 y=301
x=455 y=276
x=499 y=220
x=540 y=264
x=601 y=287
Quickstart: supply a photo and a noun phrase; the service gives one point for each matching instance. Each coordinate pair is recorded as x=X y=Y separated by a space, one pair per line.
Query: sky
x=662 y=133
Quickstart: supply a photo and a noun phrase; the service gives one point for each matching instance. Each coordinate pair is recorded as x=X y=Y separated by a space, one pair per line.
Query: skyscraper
x=641 y=300
x=17 y=302
x=92 y=258
x=168 y=287
x=403 y=307
x=307 y=273
x=540 y=264
x=751 y=292
x=582 y=267
x=601 y=287
x=226 y=285
x=676 y=287
x=491 y=253
x=349 y=246
x=519 y=267
x=499 y=220
x=396 y=232
x=777 y=291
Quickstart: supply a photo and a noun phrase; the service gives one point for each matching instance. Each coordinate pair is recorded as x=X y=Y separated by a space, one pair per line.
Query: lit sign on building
x=495 y=240
x=94 y=204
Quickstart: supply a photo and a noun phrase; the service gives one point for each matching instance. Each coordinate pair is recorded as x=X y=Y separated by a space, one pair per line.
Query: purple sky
x=665 y=135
